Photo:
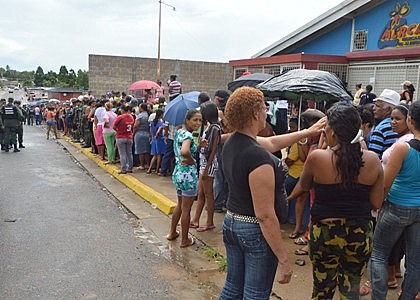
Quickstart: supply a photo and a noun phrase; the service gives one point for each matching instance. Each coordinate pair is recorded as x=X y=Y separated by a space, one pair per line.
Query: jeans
x=166 y=160
x=126 y=156
x=395 y=220
x=251 y=265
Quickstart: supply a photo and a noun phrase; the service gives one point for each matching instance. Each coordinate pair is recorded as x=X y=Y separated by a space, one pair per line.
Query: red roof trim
x=384 y=54
x=289 y=58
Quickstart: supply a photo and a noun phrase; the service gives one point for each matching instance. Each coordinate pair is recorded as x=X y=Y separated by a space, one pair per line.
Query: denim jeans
x=289 y=185
x=395 y=220
x=251 y=265
x=166 y=160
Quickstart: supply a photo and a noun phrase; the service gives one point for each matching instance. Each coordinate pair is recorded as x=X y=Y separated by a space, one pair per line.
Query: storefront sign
x=398 y=33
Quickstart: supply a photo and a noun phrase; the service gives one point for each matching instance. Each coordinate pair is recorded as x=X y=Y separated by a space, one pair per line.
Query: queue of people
x=344 y=172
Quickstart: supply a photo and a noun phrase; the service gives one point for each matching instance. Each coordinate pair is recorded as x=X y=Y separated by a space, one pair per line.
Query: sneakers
x=21 y=146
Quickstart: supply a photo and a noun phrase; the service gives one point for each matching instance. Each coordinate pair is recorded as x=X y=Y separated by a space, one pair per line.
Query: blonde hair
x=109 y=105
x=241 y=107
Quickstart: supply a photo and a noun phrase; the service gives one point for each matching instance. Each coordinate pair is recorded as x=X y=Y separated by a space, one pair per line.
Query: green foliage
x=39 y=77
x=51 y=79
x=221 y=261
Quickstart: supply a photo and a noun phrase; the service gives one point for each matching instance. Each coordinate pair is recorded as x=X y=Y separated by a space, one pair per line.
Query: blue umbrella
x=176 y=110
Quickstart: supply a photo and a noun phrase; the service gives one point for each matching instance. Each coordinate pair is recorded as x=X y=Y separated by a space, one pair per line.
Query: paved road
x=64 y=237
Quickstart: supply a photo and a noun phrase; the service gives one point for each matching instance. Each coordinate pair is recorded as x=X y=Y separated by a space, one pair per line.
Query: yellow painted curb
x=161 y=202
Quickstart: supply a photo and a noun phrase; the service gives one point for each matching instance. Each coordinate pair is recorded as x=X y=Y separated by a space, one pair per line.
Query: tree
x=39 y=77
x=82 y=79
x=63 y=77
x=26 y=78
x=72 y=78
x=50 y=79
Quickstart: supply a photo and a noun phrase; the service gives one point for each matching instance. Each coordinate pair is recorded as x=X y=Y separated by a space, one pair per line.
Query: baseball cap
x=134 y=102
x=389 y=96
x=407 y=83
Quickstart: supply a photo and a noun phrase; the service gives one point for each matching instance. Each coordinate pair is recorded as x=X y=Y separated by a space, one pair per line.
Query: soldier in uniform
x=2 y=103
x=11 y=116
x=20 y=125
x=87 y=133
x=76 y=121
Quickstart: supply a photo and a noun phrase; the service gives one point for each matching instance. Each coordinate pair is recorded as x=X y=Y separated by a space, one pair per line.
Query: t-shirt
x=143 y=119
x=382 y=137
x=241 y=155
x=124 y=125
x=174 y=88
x=366 y=98
x=295 y=170
x=111 y=117
x=100 y=114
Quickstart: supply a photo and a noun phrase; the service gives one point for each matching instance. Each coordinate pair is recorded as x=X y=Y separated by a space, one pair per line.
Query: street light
x=160 y=25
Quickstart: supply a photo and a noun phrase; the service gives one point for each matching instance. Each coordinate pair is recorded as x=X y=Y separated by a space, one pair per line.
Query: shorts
x=51 y=122
x=211 y=171
x=190 y=193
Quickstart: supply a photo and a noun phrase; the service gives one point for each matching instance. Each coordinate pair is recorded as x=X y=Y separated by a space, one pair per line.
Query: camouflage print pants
x=339 y=251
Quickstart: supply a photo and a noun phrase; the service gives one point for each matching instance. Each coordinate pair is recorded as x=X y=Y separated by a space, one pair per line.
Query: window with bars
x=239 y=72
x=360 y=40
x=337 y=69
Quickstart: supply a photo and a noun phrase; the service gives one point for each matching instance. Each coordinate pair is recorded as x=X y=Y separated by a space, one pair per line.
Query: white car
x=16 y=88
x=10 y=90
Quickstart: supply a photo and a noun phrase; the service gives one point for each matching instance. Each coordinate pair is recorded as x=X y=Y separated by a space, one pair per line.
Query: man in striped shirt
x=174 y=87
x=382 y=136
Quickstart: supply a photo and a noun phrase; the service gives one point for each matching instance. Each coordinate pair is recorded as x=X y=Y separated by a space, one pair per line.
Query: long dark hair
x=345 y=121
x=158 y=116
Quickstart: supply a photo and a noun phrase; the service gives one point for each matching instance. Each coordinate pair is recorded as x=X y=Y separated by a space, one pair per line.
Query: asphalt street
x=63 y=236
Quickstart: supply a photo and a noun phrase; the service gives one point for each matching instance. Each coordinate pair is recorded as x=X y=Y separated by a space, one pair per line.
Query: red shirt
x=123 y=125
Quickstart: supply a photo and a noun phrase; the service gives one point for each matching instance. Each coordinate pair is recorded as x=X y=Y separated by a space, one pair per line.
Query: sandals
x=295 y=235
x=301 y=251
x=301 y=241
x=191 y=241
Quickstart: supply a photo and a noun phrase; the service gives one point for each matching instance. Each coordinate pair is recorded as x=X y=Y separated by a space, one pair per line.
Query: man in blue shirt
x=382 y=136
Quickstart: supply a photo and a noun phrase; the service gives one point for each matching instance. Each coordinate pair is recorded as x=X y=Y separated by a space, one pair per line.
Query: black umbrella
x=248 y=80
x=302 y=84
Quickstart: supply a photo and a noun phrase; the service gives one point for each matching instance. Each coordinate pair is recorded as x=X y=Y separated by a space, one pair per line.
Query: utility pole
x=160 y=27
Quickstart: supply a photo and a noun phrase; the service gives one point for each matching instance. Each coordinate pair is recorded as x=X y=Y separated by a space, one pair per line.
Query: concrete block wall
x=117 y=73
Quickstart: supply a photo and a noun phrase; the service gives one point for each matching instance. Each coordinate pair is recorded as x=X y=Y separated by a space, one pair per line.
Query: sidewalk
x=160 y=193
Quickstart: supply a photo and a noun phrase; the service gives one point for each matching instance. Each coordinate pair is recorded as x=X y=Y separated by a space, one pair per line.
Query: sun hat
x=389 y=96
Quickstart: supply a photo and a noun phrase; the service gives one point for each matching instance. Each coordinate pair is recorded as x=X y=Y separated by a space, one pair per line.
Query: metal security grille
x=385 y=76
x=360 y=40
x=238 y=72
x=337 y=69
x=280 y=69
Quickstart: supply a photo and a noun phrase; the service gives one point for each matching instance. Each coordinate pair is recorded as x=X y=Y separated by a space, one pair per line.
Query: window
x=360 y=40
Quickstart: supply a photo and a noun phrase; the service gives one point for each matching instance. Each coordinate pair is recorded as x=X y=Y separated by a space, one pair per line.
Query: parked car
x=16 y=88
x=10 y=90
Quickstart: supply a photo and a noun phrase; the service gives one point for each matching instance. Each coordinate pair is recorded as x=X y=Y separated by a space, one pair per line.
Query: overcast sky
x=52 y=33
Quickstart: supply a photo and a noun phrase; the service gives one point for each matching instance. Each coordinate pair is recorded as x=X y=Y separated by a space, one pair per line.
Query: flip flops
x=301 y=251
x=295 y=235
x=191 y=242
x=172 y=238
x=194 y=226
x=301 y=241
x=205 y=228
x=300 y=262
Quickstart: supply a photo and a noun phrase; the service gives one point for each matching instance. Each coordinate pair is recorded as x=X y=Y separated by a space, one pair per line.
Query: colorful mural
x=398 y=33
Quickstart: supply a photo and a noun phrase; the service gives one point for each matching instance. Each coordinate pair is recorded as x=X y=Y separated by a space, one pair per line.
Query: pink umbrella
x=144 y=85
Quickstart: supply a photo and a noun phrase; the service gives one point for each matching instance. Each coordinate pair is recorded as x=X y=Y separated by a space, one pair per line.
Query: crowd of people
x=348 y=180
x=353 y=165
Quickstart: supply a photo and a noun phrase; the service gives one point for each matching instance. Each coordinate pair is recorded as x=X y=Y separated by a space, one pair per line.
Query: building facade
x=117 y=73
x=373 y=42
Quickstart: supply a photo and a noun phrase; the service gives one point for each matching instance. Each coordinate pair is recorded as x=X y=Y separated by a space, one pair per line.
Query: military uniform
x=87 y=134
x=76 y=122
x=11 y=116
x=2 y=103
x=20 y=126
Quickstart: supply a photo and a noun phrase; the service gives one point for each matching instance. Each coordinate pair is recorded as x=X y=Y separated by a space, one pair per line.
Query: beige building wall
x=116 y=73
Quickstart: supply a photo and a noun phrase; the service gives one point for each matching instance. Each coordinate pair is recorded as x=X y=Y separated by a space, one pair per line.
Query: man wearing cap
x=382 y=136
x=11 y=116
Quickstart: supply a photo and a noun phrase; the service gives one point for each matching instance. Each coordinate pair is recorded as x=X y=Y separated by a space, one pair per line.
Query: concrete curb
x=161 y=202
